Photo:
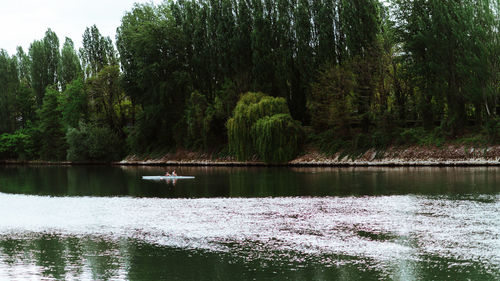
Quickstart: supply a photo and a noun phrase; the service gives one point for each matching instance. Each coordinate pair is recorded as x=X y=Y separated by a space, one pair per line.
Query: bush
x=104 y=145
x=329 y=142
x=422 y=137
x=492 y=129
x=77 y=144
x=380 y=139
x=93 y=143
x=411 y=135
x=152 y=130
x=18 y=145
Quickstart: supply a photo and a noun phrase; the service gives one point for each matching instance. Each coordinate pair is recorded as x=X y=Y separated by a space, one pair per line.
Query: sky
x=23 y=21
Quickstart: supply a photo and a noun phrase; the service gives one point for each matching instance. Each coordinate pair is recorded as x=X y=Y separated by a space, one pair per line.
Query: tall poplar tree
x=45 y=58
x=9 y=84
x=97 y=51
x=70 y=67
x=361 y=25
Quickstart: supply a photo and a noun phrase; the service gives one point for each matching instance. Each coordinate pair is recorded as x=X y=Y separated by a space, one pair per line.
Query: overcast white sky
x=23 y=21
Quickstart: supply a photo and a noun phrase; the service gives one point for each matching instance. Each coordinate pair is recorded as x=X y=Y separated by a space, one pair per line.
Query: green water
x=106 y=223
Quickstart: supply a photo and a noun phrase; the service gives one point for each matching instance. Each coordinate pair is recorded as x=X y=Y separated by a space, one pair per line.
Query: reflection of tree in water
x=63 y=257
x=49 y=254
x=265 y=182
x=32 y=180
x=102 y=258
x=248 y=181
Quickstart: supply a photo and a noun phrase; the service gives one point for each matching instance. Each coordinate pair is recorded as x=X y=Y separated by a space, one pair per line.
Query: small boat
x=166 y=177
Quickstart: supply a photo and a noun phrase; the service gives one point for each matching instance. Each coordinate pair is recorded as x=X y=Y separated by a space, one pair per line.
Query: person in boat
x=174 y=174
x=167 y=174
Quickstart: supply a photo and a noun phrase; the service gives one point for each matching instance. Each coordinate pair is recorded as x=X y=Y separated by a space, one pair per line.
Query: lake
x=257 y=223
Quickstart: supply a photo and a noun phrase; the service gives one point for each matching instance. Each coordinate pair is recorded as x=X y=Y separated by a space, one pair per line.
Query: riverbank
x=448 y=155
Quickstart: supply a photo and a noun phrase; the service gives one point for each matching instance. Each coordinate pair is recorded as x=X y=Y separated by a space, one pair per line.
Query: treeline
x=57 y=104
x=335 y=74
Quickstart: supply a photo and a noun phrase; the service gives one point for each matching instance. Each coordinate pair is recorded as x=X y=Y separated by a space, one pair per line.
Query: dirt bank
x=448 y=155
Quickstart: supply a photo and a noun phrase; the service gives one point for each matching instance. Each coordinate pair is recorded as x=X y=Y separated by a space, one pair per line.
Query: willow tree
x=262 y=125
x=277 y=138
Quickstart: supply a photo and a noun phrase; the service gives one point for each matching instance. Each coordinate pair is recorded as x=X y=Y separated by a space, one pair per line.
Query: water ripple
x=382 y=231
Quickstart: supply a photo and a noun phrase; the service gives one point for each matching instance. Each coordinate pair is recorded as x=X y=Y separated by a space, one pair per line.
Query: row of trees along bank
x=257 y=79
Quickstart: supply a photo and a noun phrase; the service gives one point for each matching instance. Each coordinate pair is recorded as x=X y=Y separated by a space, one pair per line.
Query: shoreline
x=412 y=156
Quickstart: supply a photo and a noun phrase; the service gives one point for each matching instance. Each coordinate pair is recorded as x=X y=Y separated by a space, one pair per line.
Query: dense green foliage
x=262 y=125
x=18 y=145
x=277 y=138
x=93 y=143
x=356 y=74
x=53 y=144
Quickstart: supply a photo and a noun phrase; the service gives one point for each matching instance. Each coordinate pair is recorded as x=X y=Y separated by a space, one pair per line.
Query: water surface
x=250 y=224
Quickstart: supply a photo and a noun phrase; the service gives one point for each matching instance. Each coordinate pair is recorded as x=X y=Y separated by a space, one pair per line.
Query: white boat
x=166 y=177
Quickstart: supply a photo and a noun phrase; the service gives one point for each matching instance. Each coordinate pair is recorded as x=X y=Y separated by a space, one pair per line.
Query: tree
x=331 y=100
x=45 y=57
x=277 y=138
x=107 y=99
x=97 y=51
x=25 y=104
x=70 y=68
x=74 y=104
x=361 y=25
x=303 y=66
x=450 y=44
x=24 y=66
x=324 y=30
x=90 y=142
x=53 y=143
x=263 y=72
x=53 y=56
x=262 y=125
x=25 y=98
x=156 y=75
x=9 y=84
x=243 y=46
x=198 y=118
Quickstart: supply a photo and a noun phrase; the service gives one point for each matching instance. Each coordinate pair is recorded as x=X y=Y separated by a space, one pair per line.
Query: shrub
x=78 y=144
x=492 y=129
x=104 y=144
x=18 y=145
x=411 y=135
x=329 y=142
x=93 y=143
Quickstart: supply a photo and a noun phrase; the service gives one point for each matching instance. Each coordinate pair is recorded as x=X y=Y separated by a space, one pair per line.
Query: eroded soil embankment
x=448 y=155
